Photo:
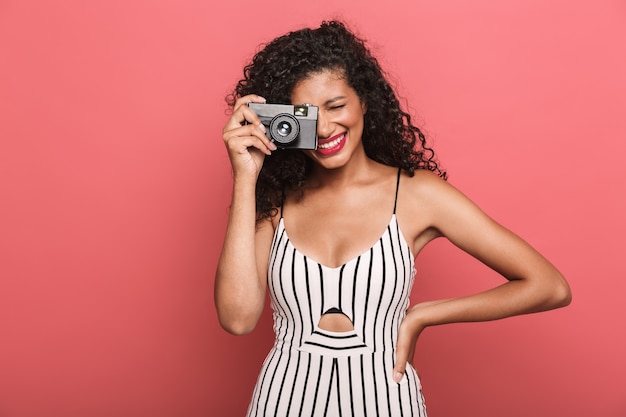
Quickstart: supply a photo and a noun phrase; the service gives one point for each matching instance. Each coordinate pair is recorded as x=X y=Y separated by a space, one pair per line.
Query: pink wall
x=114 y=188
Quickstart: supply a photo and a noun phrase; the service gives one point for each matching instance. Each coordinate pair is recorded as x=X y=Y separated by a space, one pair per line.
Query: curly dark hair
x=389 y=137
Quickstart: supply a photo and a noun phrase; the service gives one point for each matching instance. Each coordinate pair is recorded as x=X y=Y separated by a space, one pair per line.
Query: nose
x=324 y=126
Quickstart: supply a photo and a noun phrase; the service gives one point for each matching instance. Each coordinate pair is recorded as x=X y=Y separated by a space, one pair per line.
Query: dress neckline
x=392 y=223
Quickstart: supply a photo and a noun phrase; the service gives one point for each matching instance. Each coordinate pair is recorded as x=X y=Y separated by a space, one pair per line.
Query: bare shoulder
x=440 y=209
x=429 y=206
x=423 y=180
x=414 y=207
x=426 y=190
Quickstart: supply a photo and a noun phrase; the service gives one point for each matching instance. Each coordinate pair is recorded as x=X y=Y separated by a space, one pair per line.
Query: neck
x=358 y=170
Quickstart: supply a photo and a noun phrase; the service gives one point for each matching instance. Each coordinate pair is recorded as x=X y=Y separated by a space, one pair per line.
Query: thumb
x=403 y=350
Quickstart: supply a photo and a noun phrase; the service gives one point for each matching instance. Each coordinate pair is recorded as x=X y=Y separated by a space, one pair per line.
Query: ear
x=363 y=106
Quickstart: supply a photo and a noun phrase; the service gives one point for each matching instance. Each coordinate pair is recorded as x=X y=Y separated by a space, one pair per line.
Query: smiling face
x=340 y=117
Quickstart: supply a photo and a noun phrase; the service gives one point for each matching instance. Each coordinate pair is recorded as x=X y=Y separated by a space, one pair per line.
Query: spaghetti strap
x=395 y=202
x=282 y=203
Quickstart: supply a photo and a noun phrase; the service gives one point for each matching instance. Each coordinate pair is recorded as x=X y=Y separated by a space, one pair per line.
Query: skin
x=346 y=205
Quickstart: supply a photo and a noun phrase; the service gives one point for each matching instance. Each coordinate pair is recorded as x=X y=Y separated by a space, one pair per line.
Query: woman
x=332 y=233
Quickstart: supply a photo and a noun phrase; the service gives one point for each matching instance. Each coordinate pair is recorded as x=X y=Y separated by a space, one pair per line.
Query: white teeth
x=332 y=143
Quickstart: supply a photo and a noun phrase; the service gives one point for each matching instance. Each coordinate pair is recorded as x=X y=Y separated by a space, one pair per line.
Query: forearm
x=239 y=291
x=510 y=299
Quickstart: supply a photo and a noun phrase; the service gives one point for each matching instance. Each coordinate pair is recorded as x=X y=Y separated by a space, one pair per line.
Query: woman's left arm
x=533 y=283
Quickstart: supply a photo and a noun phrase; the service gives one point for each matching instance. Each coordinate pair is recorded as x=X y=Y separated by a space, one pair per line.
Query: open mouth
x=332 y=145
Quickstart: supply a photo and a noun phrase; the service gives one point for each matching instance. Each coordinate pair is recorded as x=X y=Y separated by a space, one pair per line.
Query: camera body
x=288 y=126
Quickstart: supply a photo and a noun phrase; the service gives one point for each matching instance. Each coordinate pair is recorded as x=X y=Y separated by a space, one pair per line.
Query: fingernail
x=273 y=146
x=397 y=377
x=262 y=99
x=262 y=127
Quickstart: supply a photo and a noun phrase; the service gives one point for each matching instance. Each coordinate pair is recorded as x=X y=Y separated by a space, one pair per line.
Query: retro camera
x=289 y=127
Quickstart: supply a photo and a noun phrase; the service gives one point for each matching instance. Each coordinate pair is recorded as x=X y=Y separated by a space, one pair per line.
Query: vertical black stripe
x=339 y=297
x=354 y=279
x=400 y=400
x=308 y=288
x=338 y=387
x=330 y=385
x=383 y=278
x=367 y=296
x=295 y=297
x=403 y=294
x=385 y=325
x=319 y=266
x=391 y=324
x=350 y=382
x=374 y=378
x=422 y=406
x=306 y=382
x=408 y=390
x=317 y=385
x=403 y=274
x=293 y=386
x=363 y=387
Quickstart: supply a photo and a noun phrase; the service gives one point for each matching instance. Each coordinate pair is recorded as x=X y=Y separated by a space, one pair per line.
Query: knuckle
x=242 y=99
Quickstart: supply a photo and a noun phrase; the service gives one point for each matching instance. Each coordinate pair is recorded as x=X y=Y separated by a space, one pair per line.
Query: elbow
x=238 y=314
x=560 y=293
x=548 y=293
x=563 y=294
x=238 y=324
x=237 y=327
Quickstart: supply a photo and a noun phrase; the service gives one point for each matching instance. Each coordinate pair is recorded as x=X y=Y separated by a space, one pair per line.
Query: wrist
x=416 y=317
x=244 y=183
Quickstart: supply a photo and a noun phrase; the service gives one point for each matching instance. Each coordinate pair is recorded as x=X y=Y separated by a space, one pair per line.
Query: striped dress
x=314 y=372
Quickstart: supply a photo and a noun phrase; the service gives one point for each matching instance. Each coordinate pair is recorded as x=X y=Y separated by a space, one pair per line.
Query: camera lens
x=284 y=128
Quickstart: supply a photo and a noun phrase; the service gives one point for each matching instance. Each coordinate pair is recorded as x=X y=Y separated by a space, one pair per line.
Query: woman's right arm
x=241 y=276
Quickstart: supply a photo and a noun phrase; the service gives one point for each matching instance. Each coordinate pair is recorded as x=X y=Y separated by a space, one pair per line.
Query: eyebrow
x=334 y=99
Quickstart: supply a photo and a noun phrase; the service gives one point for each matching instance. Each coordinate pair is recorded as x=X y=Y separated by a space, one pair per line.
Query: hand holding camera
x=245 y=139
